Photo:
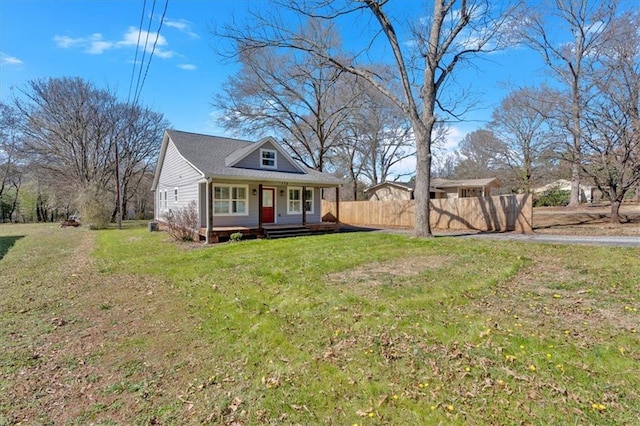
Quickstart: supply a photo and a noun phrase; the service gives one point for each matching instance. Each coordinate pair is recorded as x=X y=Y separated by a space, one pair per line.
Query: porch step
x=287 y=232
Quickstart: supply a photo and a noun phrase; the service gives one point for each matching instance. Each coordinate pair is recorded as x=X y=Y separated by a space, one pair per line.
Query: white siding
x=176 y=173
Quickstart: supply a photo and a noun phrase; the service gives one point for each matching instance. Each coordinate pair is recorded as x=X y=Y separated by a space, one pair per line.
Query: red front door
x=268 y=195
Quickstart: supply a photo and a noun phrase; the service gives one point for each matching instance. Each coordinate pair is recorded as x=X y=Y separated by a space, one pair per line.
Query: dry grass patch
x=374 y=274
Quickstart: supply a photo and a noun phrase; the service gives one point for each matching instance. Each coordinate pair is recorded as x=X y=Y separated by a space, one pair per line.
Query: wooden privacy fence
x=500 y=213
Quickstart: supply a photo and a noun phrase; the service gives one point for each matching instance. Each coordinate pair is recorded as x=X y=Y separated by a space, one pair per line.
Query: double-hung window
x=230 y=200
x=294 y=200
x=268 y=158
x=175 y=195
x=164 y=201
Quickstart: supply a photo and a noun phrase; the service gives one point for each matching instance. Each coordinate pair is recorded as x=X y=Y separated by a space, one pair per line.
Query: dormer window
x=268 y=159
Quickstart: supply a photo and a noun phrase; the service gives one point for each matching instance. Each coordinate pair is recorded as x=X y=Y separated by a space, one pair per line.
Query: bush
x=95 y=207
x=182 y=224
x=552 y=198
x=235 y=237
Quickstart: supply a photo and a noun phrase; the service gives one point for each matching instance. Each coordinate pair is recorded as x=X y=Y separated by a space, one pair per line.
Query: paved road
x=559 y=239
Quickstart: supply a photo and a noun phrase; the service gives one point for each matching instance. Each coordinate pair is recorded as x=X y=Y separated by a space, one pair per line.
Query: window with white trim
x=175 y=194
x=164 y=201
x=294 y=200
x=268 y=158
x=230 y=200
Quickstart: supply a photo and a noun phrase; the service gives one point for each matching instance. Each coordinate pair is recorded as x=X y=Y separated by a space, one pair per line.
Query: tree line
x=60 y=142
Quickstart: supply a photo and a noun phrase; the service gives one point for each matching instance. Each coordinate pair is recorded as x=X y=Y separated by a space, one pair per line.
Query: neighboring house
x=236 y=185
x=390 y=191
x=440 y=188
x=587 y=193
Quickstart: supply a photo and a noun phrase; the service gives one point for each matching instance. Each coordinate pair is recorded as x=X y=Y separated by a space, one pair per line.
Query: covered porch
x=223 y=233
x=263 y=209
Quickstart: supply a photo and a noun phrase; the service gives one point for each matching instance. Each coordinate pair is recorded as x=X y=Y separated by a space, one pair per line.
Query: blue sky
x=96 y=40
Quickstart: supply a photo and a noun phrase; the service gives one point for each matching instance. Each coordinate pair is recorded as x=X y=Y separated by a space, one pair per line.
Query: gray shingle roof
x=208 y=154
x=437 y=183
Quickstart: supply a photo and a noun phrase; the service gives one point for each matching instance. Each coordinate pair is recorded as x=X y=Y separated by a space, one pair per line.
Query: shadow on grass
x=127 y=224
x=6 y=243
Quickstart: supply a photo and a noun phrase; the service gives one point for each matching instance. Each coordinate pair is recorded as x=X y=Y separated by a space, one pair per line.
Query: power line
x=135 y=59
x=144 y=53
x=153 y=49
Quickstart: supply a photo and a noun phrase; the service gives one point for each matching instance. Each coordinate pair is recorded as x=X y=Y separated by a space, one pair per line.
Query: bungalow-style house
x=587 y=193
x=238 y=186
x=440 y=188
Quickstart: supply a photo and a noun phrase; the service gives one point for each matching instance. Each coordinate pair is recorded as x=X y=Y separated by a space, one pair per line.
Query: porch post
x=304 y=206
x=260 y=206
x=337 y=204
x=208 y=190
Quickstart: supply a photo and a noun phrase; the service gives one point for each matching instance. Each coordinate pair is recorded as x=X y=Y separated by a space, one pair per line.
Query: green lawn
x=124 y=327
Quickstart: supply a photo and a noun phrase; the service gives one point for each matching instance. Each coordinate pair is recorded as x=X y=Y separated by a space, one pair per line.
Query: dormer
x=266 y=155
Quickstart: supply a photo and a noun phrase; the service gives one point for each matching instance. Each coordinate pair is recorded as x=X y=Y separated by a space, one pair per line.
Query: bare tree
x=456 y=30
x=299 y=97
x=71 y=130
x=586 y=21
x=387 y=137
x=479 y=155
x=612 y=152
x=11 y=170
x=520 y=123
x=139 y=137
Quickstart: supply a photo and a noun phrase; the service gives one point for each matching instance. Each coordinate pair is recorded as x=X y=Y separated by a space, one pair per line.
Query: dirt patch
x=587 y=220
x=381 y=272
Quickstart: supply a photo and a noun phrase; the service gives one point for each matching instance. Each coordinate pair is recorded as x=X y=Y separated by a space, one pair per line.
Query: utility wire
x=135 y=59
x=153 y=49
x=144 y=53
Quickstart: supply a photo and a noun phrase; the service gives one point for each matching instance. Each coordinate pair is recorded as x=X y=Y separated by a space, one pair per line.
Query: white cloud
x=66 y=42
x=181 y=25
x=145 y=40
x=187 y=67
x=9 y=60
x=95 y=44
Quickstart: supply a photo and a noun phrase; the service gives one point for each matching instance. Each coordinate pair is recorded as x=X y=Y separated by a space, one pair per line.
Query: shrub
x=235 y=237
x=95 y=207
x=552 y=198
x=182 y=224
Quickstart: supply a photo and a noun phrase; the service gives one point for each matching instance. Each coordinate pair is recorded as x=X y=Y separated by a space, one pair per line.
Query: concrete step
x=287 y=232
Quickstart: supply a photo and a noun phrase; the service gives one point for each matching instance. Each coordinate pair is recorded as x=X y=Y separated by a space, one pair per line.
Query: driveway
x=612 y=241
x=559 y=239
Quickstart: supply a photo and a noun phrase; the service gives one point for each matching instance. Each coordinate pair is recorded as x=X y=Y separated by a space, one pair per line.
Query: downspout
x=208 y=211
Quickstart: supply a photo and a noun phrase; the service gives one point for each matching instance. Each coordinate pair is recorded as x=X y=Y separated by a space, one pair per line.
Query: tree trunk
x=423 y=182
x=574 y=200
x=615 y=212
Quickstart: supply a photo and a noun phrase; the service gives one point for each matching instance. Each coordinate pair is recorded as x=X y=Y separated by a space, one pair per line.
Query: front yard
x=127 y=327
